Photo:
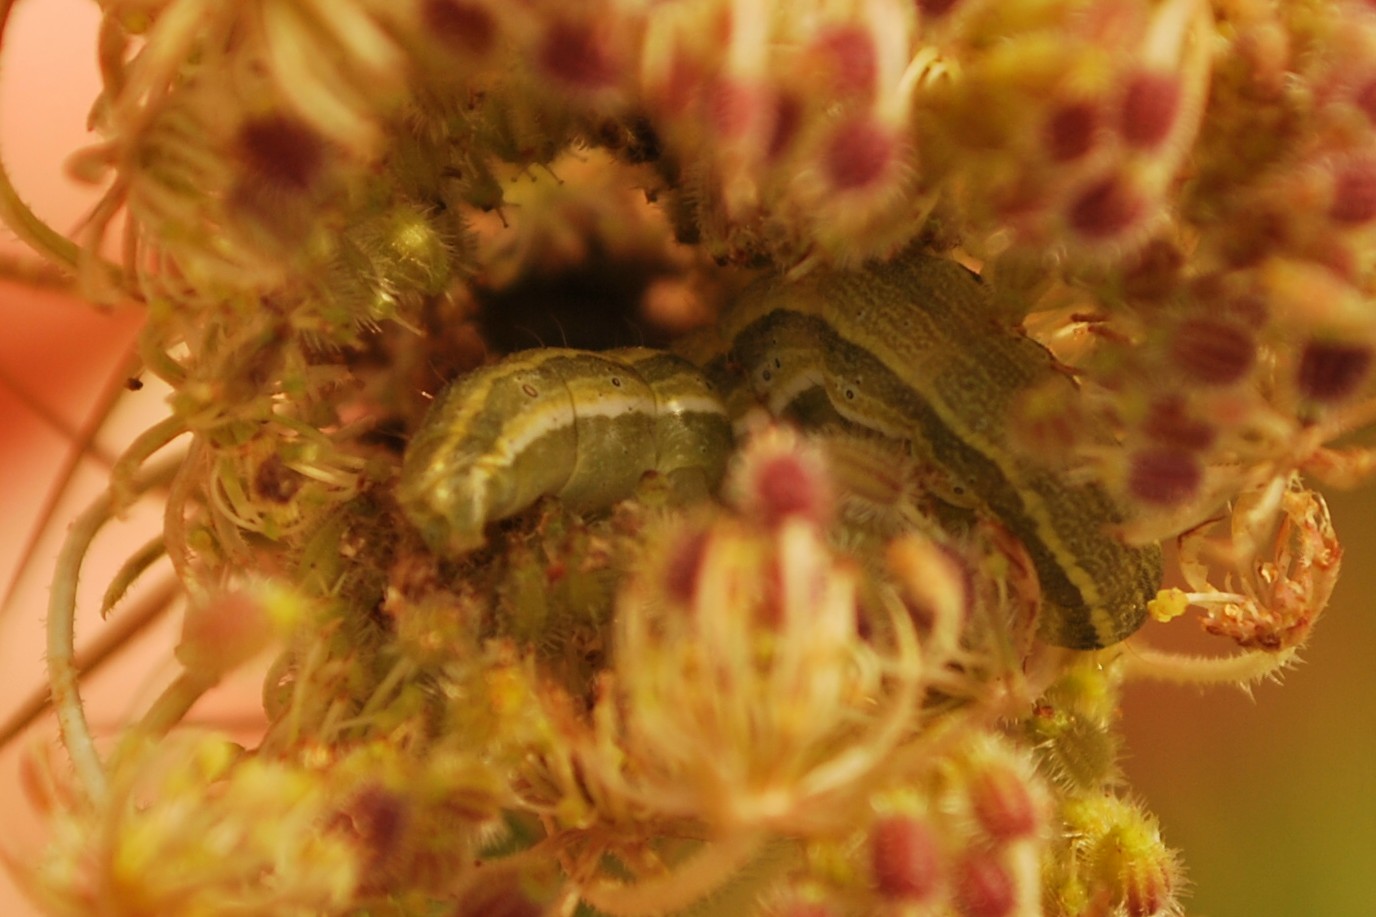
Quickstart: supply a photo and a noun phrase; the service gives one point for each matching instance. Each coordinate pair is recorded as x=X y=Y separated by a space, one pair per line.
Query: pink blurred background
x=56 y=356
x=1271 y=799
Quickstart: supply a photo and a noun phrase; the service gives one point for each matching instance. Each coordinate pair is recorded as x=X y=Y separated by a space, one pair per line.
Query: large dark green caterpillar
x=909 y=349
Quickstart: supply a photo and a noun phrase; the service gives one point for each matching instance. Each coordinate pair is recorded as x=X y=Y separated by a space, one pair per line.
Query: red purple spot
x=577 y=56
x=1071 y=131
x=1105 y=209
x=683 y=571
x=281 y=152
x=1151 y=104
x=984 y=886
x=1169 y=423
x=467 y=27
x=905 y=858
x=1331 y=371
x=854 y=66
x=1164 y=476
x=859 y=154
x=1212 y=351
x=935 y=8
x=1354 y=193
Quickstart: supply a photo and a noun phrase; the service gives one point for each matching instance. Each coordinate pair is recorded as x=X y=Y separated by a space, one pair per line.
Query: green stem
x=63 y=672
x=1241 y=669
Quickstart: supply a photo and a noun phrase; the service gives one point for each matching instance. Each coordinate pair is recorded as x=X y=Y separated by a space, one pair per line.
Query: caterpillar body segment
x=581 y=426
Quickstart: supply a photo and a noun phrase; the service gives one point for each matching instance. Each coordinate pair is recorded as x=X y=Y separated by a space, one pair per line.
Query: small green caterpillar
x=581 y=426
x=908 y=349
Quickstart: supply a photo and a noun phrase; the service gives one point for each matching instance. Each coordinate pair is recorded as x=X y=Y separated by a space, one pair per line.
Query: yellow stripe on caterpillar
x=580 y=426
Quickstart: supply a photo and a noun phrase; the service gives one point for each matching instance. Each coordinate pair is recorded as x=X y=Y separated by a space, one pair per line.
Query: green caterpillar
x=909 y=349
x=582 y=426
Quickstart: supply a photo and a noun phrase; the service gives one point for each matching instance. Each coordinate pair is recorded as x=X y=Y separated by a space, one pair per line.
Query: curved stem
x=63 y=672
x=36 y=273
x=1241 y=669
x=125 y=627
x=174 y=515
x=16 y=214
x=137 y=453
x=172 y=705
x=130 y=571
x=29 y=227
x=26 y=224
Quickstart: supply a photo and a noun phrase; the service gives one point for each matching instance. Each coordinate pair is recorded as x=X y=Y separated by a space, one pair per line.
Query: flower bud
x=985 y=887
x=1212 y=351
x=1005 y=803
x=1151 y=105
x=1164 y=476
x=1123 y=861
x=781 y=475
x=1106 y=210
x=1332 y=370
x=905 y=858
x=232 y=628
